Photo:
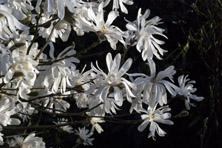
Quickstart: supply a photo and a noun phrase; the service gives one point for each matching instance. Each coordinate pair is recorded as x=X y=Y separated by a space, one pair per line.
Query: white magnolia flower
x=111 y=86
x=9 y=23
x=23 y=70
x=7 y=109
x=22 y=43
x=155 y=86
x=136 y=103
x=57 y=76
x=153 y=116
x=55 y=103
x=66 y=128
x=94 y=121
x=144 y=35
x=57 y=7
x=95 y=23
x=186 y=89
x=25 y=110
x=23 y=6
x=119 y=3
x=84 y=136
x=31 y=141
x=62 y=29
x=4 y=59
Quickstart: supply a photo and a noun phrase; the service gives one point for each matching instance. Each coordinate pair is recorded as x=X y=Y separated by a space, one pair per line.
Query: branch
x=47 y=41
x=44 y=126
x=76 y=54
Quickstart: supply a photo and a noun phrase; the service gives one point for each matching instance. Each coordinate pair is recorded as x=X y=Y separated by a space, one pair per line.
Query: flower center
x=151 y=116
x=104 y=27
x=112 y=79
x=153 y=80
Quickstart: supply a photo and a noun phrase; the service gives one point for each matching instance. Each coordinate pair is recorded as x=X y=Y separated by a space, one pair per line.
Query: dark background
x=194 y=43
x=193 y=28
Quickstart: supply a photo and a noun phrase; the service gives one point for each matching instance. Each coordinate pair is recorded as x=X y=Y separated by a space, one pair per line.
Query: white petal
x=116 y=63
x=50 y=6
x=111 y=17
x=125 y=67
x=61 y=9
x=143 y=125
x=122 y=7
x=70 y=6
x=109 y=61
x=152 y=66
x=118 y=96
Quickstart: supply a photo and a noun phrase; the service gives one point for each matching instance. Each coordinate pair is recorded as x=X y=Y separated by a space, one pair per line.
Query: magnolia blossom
x=155 y=86
x=7 y=109
x=66 y=128
x=119 y=3
x=31 y=141
x=60 y=29
x=4 y=59
x=144 y=32
x=59 y=5
x=95 y=124
x=23 y=6
x=58 y=74
x=153 y=116
x=186 y=89
x=22 y=68
x=111 y=85
x=95 y=23
x=25 y=110
x=55 y=103
x=9 y=23
x=84 y=136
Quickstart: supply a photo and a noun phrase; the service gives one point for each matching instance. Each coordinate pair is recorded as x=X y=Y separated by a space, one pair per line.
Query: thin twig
x=47 y=41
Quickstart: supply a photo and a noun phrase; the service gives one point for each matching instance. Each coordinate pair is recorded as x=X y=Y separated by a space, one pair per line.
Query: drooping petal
x=143 y=125
x=118 y=96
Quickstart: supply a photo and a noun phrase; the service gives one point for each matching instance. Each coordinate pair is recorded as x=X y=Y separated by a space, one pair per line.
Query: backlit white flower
x=31 y=141
x=62 y=29
x=186 y=89
x=66 y=128
x=112 y=85
x=84 y=136
x=22 y=68
x=95 y=124
x=5 y=59
x=25 y=110
x=57 y=7
x=155 y=86
x=95 y=23
x=153 y=116
x=119 y=3
x=7 y=109
x=55 y=103
x=144 y=35
x=9 y=25
x=23 y=6
x=57 y=76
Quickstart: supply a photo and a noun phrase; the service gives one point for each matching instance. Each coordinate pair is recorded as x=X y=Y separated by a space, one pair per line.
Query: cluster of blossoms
x=34 y=81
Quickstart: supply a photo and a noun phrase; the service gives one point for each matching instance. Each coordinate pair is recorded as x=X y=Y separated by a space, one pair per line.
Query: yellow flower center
x=104 y=28
x=151 y=116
